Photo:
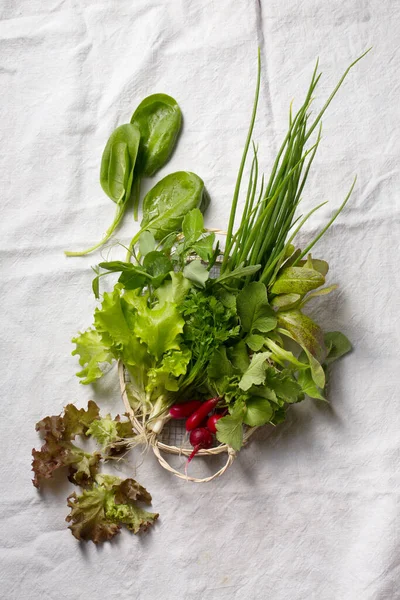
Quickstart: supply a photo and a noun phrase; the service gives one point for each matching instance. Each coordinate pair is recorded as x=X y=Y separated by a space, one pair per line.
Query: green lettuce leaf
x=92 y=352
x=159 y=328
x=173 y=365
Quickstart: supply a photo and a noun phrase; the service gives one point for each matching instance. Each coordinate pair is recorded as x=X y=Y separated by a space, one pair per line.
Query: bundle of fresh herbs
x=183 y=334
x=217 y=337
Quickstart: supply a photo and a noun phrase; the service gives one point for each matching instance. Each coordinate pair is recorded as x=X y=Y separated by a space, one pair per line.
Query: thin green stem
x=241 y=168
x=117 y=219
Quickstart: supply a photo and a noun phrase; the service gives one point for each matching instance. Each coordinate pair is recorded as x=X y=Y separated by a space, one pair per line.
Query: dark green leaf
x=158 y=118
x=158 y=266
x=167 y=203
x=118 y=162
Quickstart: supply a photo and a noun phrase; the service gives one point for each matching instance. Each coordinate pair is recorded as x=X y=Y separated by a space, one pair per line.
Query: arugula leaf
x=338 y=345
x=307 y=384
x=92 y=352
x=254 y=341
x=196 y=272
x=258 y=412
x=254 y=310
x=255 y=374
x=239 y=356
x=157 y=266
x=220 y=366
x=284 y=385
x=97 y=514
x=205 y=247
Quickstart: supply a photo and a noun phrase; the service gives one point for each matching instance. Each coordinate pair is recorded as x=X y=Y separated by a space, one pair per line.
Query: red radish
x=200 y=438
x=197 y=417
x=181 y=411
x=212 y=422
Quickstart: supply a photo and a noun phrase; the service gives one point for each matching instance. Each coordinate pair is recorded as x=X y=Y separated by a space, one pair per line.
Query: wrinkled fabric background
x=310 y=509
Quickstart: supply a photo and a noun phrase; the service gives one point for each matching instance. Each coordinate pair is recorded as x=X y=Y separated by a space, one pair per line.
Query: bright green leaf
x=338 y=345
x=255 y=374
x=196 y=272
x=259 y=412
x=192 y=226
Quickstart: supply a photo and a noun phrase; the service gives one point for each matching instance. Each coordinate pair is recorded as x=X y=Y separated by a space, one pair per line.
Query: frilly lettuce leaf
x=92 y=352
x=58 y=451
x=97 y=514
x=111 y=433
x=173 y=365
x=159 y=328
x=57 y=454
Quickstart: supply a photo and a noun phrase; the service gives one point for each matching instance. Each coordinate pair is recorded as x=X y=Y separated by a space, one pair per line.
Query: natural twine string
x=158 y=446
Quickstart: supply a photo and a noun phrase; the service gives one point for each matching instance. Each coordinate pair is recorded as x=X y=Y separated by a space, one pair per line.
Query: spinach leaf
x=118 y=162
x=167 y=203
x=116 y=175
x=158 y=118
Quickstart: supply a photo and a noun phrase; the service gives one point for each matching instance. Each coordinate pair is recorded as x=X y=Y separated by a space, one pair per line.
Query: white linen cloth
x=310 y=509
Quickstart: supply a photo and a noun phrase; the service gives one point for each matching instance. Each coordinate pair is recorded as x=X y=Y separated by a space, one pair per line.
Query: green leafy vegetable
x=259 y=411
x=230 y=428
x=338 y=345
x=196 y=272
x=255 y=373
x=167 y=203
x=98 y=513
x=158 y=118
x=92 y=354
x=254 y=310
x=116 y=174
